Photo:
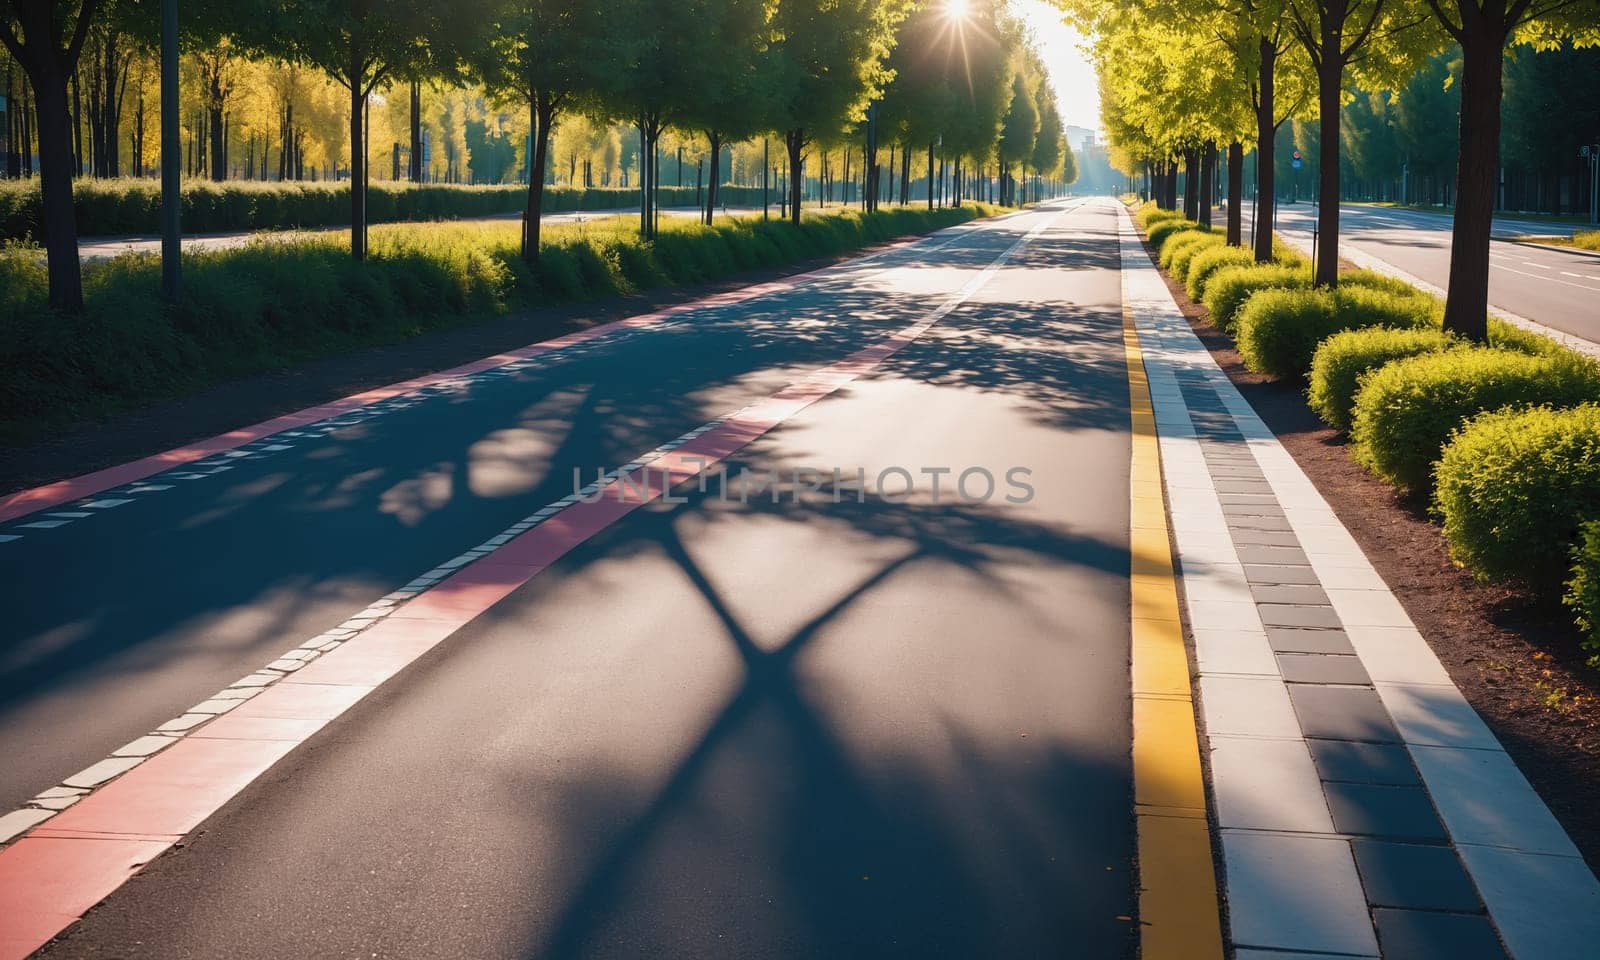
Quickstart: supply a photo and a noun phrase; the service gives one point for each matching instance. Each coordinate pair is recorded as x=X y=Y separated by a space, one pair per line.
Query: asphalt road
x=1548 y=285
x=715 y=729
x=100 y=248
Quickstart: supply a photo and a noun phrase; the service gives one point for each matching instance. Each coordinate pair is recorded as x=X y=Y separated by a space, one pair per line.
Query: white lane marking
x=1530 y=263
x=45 y=524
x=106 y=503
x=8 y=537
x=1540 y=276
x=1580 y=276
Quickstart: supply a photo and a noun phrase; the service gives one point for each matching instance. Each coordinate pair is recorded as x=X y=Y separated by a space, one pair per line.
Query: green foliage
x=115 y=207
x=1405 y=411
x=1181 y=258
x=1583 y=587
x=1514 y=486
x=1503 y=334
x=1278 y=329
x=270 y=303
x=1149 y=214
x=1179 y=241
x=1229 y=288
x=1205 y=264
x=1344 y=358
x=1163 y=229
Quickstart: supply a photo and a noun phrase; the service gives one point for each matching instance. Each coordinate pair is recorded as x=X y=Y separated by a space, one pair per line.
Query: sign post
x=1591 y=152
x=1295 y=162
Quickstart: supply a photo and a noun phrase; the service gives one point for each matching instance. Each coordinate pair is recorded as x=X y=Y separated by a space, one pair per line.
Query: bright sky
x=1071 y=73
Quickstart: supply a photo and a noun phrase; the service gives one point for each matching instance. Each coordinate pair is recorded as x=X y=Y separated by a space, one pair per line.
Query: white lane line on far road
x=1540 y=276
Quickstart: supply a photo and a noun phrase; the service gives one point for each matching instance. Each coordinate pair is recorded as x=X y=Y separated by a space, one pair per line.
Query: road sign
x=1295 y=163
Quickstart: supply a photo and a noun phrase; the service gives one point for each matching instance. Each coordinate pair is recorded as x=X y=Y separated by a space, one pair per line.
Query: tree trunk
x=543 y=115
x=1466 y=304
x=715 y=141
x=358 y=156
x=414 y=168
x=1266 y=138
x=794 y=141
x=930 y=174
x=77 y=129
x=56 y=218
x=1191 y=184
x=1235 y=194
x=1208 y=176
x=1329 y=80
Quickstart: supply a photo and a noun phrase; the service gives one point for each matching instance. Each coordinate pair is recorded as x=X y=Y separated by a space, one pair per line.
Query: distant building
x=1094 y=170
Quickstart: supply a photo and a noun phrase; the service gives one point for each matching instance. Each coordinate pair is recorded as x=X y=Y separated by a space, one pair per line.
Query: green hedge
x=1227 y=291
x=1514 y=486
x=1163 y=229
x=1278 y=330
x=269 y=303
x=1405 y=411
x=113 y=207
x=1583 y=586
x=1344 y=358
x=1207 y=263
x=1149 y=214
x=1182 y=241
x=1183 y=256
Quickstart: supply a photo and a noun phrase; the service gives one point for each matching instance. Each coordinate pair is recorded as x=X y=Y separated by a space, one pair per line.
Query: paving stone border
x=1364 y=809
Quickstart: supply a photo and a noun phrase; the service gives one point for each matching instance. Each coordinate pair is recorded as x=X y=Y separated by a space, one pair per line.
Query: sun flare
x=958 y=9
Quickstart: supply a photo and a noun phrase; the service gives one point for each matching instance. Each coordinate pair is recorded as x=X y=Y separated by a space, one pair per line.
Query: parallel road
x=99 y=248
x=1548 y=285
x=792 y=728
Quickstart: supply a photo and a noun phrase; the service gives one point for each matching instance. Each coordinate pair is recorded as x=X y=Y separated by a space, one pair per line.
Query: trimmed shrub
x=1342 y=359
x=1514 y=488
x=1229 y=288
x=1278 y=330
x=1583 y=586
x=1206 y=263
x=1182 y=258
x=1372 y=280
x=1149 y=215
x=1405 y=411
x=1286 y=256
x=1161 y=230
x=1180 y=241
x=1503 y=334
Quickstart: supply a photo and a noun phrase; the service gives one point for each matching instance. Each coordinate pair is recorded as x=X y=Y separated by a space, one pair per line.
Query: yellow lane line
x=1178 y=915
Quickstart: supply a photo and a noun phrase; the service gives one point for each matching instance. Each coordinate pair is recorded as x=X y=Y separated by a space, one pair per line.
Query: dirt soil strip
x=1515 y=659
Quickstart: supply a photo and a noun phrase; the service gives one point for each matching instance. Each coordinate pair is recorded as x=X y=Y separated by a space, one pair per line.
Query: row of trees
x=1401 y=144
x=1179 y=78
x=956 y=78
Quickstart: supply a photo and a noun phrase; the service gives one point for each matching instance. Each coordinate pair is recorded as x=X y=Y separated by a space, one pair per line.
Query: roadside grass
x=1581 y=240
x=279 y=300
